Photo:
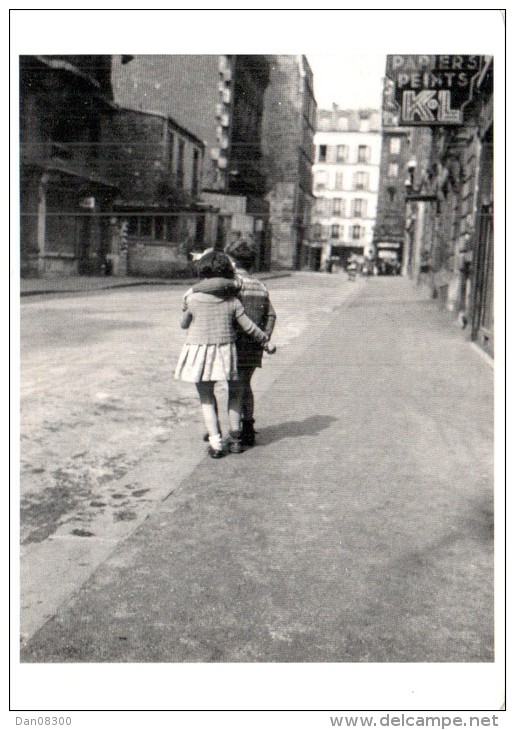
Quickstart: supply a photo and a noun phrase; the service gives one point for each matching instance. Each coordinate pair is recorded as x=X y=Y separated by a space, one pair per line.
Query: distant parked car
x=388 y=265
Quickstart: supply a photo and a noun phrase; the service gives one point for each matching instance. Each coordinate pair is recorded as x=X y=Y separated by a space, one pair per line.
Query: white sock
x=216 y=442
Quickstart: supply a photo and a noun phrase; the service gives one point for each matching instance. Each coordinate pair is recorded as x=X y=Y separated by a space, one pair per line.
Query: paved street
x=359 y=529
x=106 y=432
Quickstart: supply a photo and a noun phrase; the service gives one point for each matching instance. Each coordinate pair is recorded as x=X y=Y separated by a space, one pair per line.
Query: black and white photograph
x=290 y=507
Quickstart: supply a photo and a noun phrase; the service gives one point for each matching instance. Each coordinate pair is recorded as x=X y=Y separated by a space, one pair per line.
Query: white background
x=331 y=689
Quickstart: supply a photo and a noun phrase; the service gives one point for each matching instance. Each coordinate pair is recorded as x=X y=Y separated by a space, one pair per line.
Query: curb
x=123 y=285
x=488 y=359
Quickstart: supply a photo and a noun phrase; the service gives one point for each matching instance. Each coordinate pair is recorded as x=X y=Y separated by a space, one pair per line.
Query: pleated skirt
x=207 y=362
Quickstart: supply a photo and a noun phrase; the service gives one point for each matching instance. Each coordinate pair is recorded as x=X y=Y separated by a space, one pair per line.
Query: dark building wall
x=198 y=91
x=184 y=87
x=282 y=121
x=480 y=307
x=152 y=160
x=95 y=69
x=391 y=203
x=288 y=131
x=246 y=173
x=257 y=117
x=61 y=114
x=63 y=104
x=449 y=242
x=136 y=147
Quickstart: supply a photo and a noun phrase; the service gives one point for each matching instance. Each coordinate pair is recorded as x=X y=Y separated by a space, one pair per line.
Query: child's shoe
x=248 y=435
x=234 y=443
x=215 y=449
x=215 y=453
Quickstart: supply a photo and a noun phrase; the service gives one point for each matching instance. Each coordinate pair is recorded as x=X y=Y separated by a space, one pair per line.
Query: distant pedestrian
x=256 y=301
x=211 y=314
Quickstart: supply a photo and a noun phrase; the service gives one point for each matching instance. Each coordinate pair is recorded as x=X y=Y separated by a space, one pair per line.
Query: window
x=393 y=169
x=172 y=228
x=361 y=181
x=335 y=231
x=310 y=110
x=317 y=231
x=338 y=181
x=363 y=153
x=319 y=205
x=395 y=146
x=342 y=153
x=159 y=228
x=194 y=173
x=145 y=226
x=180 y=164
x=364 y=125
x=322 y=153
x=170 y=150
x=356 y=232
x=343 y=124
x=320 y=179
x=337 y=205
x=359 y=208
x=132 y=226
x=95 y=131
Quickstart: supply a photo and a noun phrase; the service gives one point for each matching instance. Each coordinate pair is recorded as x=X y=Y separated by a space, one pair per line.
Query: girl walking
x=211 y=315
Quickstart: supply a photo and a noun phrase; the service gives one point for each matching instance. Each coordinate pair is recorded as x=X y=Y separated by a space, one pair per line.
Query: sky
x=351 y=81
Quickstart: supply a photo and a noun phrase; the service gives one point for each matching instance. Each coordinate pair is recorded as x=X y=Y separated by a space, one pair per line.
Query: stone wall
x=184 y=87
x=157 y=260
x=288 y=129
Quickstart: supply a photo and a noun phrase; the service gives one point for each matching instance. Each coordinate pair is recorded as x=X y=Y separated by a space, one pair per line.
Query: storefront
x=65 y=223
x=482 y=282
x=388 y=257
x=448 y=103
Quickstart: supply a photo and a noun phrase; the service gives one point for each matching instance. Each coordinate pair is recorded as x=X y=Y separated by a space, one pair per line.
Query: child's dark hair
x=245 y=259
x=215 y=264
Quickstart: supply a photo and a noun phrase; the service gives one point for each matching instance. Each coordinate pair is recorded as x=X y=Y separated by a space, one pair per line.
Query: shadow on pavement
x=292 y=429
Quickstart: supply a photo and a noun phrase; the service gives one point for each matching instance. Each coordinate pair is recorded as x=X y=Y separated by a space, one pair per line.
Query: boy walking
x=257 y=305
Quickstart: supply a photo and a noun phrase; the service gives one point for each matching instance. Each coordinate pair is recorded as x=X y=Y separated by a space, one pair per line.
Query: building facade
x=183 y=87
x=448 y=214
x=346 y=183
x=256 y=116
x=156 y=165
x=151 y=159
x=288 y=136
x=65 y=193
x=104 y=190
x=220 y=100
x=390 y=220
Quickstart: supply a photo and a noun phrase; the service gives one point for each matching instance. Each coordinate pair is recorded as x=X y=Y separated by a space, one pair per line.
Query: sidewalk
x=359 y=529
x=77 y=284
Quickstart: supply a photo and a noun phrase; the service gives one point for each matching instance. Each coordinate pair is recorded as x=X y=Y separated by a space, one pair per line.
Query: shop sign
x=430 y=90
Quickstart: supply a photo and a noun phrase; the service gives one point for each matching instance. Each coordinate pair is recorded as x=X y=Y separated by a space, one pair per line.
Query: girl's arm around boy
x=248 y=326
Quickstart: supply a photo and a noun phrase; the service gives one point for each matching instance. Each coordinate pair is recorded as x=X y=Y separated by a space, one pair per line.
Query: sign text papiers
x=431 y=90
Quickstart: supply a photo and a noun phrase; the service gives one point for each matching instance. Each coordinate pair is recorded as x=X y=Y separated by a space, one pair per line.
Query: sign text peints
x=431 y=90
